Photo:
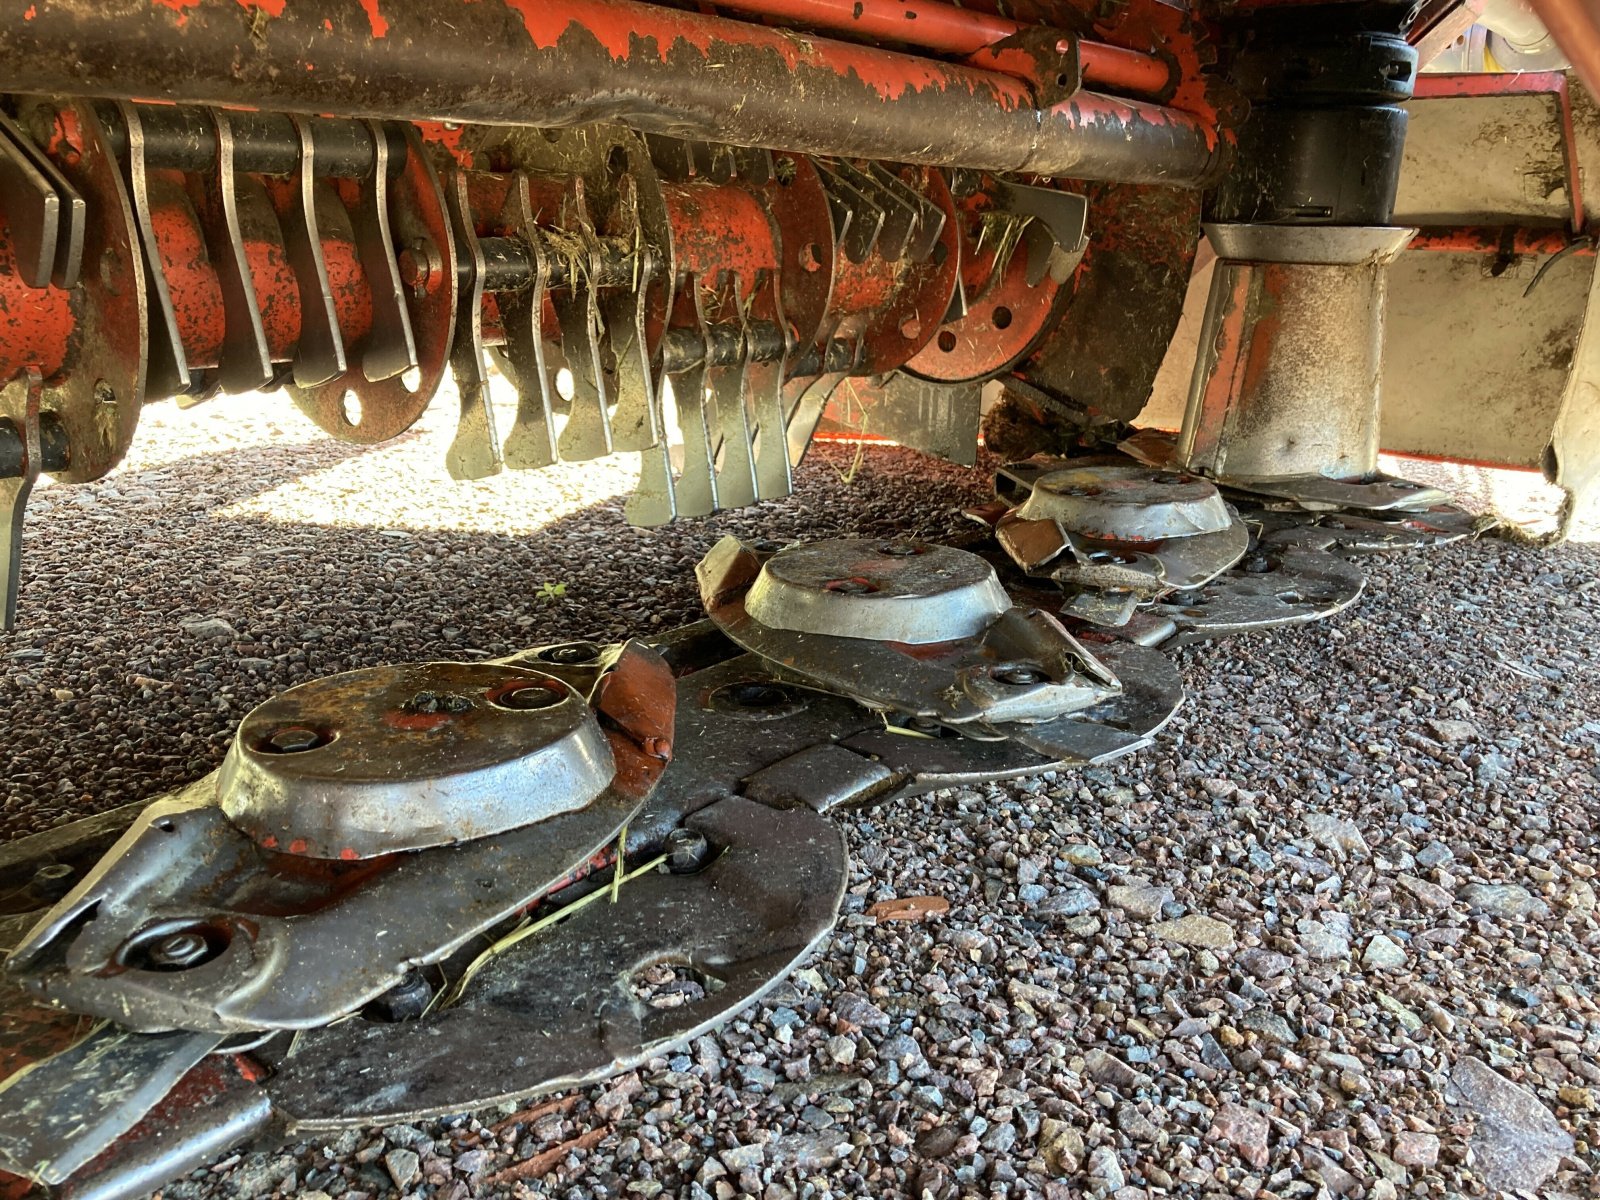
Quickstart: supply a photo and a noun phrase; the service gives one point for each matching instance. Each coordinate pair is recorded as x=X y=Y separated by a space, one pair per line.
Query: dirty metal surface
x=385 y=759
x=1291 y=585
x=887 y=591
x=535 y=1021
x=1021 y=666
x=281 y=946
x=676 y=79
x=188 y=922
x=1114 y=533
x=69 y=1108
x=217 y=1105
x=1373 y=492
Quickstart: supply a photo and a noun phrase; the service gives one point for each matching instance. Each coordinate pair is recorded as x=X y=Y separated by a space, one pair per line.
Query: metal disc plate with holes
x=1372 y=533
x=189 y=924
x=570 y=1006
x=387 y=759
x=1274 y=586
x=749 y=727
x=888 y=591
x=1152 y=691
x=1381 y=493
x=1022 y=666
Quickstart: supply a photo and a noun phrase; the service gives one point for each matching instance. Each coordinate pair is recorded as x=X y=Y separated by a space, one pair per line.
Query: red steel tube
x=1498 y=239
x=945 y=29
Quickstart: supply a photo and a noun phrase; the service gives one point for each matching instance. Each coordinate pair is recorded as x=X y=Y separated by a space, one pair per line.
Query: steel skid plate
x=191 y=923
x=751 y=727
x=822 y=610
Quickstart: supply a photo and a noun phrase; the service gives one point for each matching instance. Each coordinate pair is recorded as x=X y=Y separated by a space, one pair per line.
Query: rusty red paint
x=1441 y=86
x=31 y=12
x=270 y=842
x=448 y=138
x=718 y=230
x=375 y=19
x=947 y=29
x=178 y=7
x=348 y=854
x=298 y=846
x=623 y=28
x=36 y=324
x=192 y=282
x=273 y=8
x=1499 y=240
x=638 y=700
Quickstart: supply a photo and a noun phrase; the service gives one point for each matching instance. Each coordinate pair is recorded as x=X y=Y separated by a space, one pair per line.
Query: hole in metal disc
x=530 y=698
x=755 y=699
x=851 y=587
x=570 y=655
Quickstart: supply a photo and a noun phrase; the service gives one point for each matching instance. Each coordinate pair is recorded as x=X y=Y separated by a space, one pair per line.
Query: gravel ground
x=1335 y=933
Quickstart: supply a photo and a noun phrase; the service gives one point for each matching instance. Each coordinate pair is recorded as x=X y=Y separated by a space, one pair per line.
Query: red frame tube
x=945 y=29
x=1497 y=239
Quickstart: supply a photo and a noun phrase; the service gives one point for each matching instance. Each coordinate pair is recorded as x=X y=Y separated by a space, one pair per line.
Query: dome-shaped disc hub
x=887 y=591
x=1127 y=504
x=398 y=758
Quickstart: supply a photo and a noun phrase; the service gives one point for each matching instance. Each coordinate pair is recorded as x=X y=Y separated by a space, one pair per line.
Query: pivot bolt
x=294 y=739
x=1020 y=676
x=687 y=851
x=51 y=882
x=420 y=266
x=406 y=1000
x=900 y=549
x=179 y=950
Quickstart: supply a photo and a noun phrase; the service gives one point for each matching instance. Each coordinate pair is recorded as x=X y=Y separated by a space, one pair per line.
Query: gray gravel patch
x=1252 y=960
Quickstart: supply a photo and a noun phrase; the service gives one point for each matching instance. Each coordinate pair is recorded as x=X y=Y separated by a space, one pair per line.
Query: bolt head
x=1020 y=676
x=182 y=949
x=687 y=851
